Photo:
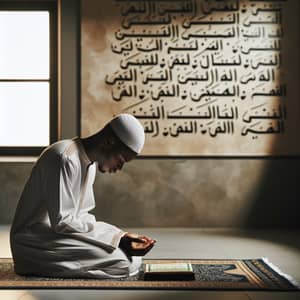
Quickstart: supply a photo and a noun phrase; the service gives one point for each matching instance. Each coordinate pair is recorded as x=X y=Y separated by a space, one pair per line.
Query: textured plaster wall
x=199 y=192
x=204 y=193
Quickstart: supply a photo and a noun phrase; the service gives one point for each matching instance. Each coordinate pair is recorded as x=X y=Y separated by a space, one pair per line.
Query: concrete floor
x=281 y=247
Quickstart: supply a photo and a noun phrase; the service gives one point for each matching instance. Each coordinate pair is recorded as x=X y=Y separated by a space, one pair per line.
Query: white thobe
x=53 y=233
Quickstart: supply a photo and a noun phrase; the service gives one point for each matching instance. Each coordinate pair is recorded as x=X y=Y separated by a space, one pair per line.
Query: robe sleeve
x=64 y=209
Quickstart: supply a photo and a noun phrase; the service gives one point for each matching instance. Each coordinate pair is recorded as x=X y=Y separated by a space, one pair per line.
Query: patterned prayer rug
x=216 y=274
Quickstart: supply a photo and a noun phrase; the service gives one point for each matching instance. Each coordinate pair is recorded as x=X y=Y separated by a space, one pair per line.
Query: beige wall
x=204 y=193
x=198 y=192
x=100 y=25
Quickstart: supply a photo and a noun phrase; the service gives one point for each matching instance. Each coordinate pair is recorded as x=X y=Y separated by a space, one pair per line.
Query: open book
x=168 y=271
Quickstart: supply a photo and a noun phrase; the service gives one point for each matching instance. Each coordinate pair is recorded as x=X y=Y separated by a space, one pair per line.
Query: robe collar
x=81 y=149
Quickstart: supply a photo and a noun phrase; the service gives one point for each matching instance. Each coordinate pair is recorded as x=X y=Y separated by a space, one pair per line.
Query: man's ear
x=109 y=143
x=112 y=141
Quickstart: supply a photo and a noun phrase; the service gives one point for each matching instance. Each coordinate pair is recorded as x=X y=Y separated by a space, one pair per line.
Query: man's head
x=118 y=142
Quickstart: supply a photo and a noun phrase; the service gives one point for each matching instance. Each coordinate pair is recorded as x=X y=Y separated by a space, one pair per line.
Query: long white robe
x=53 y=233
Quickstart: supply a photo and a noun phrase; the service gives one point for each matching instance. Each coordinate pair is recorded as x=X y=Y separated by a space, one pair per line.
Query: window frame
x=51 y=7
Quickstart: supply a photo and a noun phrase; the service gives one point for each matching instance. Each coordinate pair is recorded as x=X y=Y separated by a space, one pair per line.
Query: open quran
x=168 y=271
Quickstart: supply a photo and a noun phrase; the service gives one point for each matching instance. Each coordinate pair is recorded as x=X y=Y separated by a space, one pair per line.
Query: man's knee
x=135 y=265
x=124 y=264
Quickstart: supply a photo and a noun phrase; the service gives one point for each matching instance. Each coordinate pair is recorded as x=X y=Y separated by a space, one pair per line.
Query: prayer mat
x=210 y=274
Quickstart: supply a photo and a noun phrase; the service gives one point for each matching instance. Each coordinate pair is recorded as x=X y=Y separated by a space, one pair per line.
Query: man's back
x=31 y=208
x=53 y=233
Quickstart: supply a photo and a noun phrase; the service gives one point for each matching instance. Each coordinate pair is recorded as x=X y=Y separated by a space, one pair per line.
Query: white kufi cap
x=129 y=130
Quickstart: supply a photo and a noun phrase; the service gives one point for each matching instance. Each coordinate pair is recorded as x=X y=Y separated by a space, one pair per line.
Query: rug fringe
x=281 y=273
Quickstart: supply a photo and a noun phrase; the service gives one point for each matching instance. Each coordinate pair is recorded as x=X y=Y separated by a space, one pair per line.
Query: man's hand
x=135 y=244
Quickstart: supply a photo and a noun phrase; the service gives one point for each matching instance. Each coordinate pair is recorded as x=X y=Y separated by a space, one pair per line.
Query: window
x=28 y=76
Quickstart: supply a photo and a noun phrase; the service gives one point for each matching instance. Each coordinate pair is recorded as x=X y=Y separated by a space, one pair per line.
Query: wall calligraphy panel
x=205 y=78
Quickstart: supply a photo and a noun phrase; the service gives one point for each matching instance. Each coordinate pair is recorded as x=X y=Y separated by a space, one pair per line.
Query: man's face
x=115 y=161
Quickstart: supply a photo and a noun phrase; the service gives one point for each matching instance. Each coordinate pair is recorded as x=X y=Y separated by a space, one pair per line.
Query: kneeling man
x=53 y=233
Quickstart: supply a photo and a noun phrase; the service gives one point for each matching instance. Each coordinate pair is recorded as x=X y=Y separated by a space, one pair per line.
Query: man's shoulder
x=60 y=150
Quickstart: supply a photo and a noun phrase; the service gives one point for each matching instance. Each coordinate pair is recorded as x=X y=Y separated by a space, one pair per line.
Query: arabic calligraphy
x=201 y=67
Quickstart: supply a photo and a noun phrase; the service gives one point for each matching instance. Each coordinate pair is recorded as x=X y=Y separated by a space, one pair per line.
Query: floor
x=281 y=247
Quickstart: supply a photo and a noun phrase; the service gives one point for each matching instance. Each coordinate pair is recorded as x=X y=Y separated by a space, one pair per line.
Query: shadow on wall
x=277 y=200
